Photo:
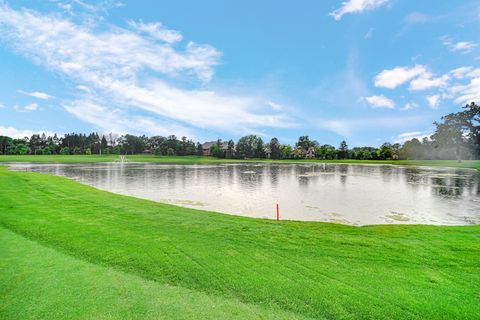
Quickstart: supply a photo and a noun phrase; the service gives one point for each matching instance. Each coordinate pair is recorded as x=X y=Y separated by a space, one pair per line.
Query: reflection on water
x=343 y=193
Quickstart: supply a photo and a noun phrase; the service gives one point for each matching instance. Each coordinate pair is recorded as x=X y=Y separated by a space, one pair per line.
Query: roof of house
x=209 y=144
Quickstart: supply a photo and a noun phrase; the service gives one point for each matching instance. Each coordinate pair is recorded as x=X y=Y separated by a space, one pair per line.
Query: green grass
x=196 y=159
x=130 y=250
x=41 y=283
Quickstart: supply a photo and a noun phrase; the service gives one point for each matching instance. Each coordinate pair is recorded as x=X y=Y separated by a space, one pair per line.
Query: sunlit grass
x=137 y=249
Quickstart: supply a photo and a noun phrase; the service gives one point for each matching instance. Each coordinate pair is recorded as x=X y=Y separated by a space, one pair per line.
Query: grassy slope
x=41 y=283
x=197 y=159
x=312 y=269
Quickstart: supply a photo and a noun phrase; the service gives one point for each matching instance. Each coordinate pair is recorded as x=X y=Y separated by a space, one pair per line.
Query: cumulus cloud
x=469 y=92
x=393 y=78
x=460 y=73
x=137 y=71
x=425 y=81
x=19 y=133
x=409 y=106
x=37 y=94
x=380 y=102
x=356 y=6
x=433 y=101
x=462 y=84
x=403 y=137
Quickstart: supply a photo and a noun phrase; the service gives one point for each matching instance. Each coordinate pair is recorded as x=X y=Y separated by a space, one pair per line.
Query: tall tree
x=304 y=142
x=5 y=142
x=250 y=146
x=343 y=150
x=275 y=152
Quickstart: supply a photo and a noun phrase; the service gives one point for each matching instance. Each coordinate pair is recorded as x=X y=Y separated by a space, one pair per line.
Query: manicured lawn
x=196 y=159
x=93 y=254
x=38 y=282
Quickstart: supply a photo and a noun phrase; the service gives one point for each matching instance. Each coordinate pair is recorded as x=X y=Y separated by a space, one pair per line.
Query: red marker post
x=278 y=213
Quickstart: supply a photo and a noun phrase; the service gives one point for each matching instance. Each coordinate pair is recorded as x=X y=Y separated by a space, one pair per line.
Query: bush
x=115 y=150
x=46 y=150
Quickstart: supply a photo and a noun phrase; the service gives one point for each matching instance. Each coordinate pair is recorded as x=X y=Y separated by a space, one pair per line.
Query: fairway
x=109 y=256
x=43 y=283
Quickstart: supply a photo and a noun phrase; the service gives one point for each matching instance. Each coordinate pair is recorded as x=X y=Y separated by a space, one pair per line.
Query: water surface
x=342 y=193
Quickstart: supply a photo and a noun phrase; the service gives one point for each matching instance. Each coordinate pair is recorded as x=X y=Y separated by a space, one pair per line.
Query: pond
x=342 y=193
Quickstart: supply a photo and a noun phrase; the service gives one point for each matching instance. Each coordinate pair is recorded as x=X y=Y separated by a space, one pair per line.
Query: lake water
x=342 y=193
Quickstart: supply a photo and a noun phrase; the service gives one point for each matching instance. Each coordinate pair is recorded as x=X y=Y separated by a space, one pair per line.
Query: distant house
x=310 y=153
x=207 y=145
x=300 y=152
x=268 y=151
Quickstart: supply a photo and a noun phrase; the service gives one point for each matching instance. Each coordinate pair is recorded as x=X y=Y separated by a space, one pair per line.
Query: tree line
x=95 y=143
x=457 y=136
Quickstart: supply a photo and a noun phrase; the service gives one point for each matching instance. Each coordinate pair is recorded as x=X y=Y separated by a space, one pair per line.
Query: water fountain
x=122 y=159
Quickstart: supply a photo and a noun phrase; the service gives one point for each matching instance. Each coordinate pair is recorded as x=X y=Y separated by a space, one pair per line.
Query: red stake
x=278 y=213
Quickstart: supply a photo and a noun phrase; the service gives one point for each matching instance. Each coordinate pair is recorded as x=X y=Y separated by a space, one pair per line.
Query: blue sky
x=367 y=71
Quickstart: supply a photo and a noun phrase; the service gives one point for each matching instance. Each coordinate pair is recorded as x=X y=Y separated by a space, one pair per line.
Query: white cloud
x=275 y=106
x=66 y=6
x=136 y=74
x=356 y=6
x=461 y=46
x=31 y=107
x=461 y=72
x=157 y=31
x=26 y=108
x=83 y=88
x=99 y=7
x=425 y=81
x=18 y=133
x=37 y=94
x=403 y=137
x=451 y=85
x=67 y=47
x=392 y=78
x=473 y=73
x=469 y=92
x=433 y=101
x=409 y=106
x=380 y=102
x=117 y=120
